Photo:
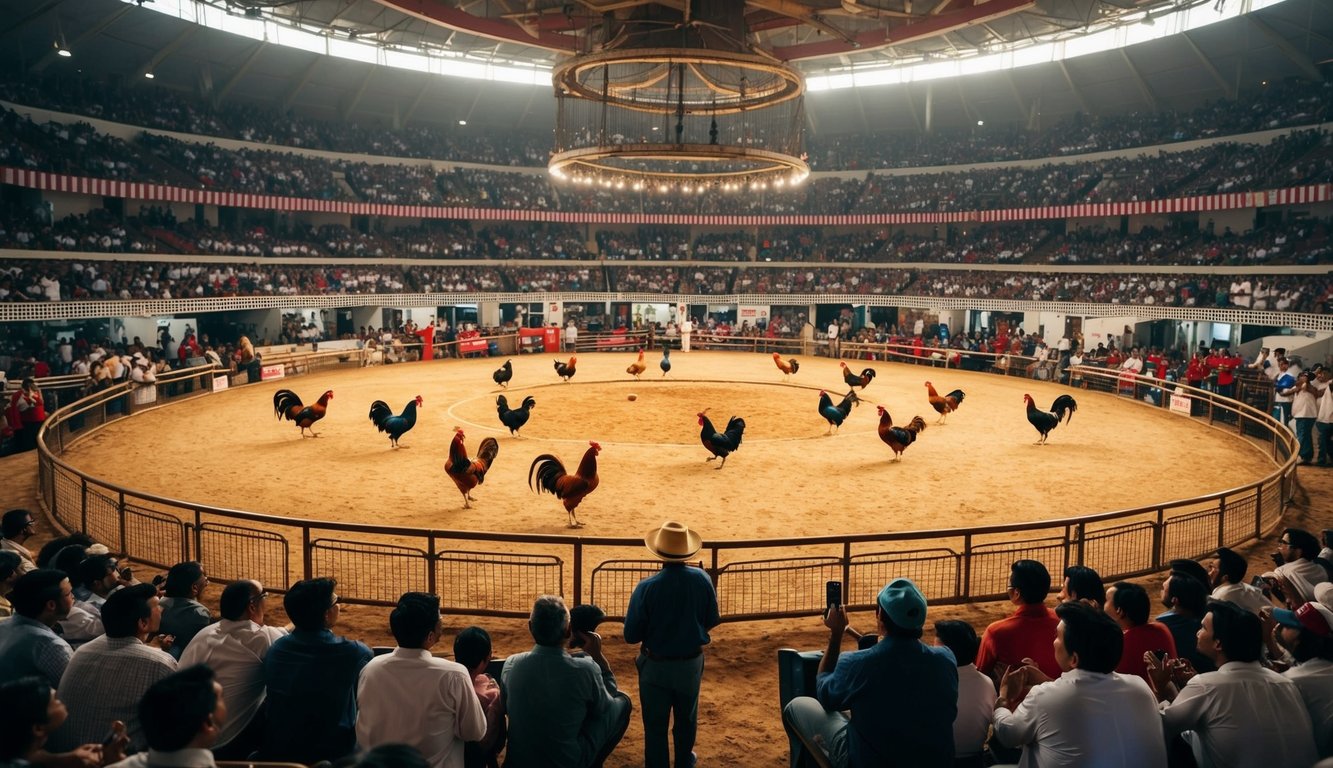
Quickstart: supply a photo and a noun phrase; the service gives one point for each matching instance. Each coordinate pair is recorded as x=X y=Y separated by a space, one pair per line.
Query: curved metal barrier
x=484 y=573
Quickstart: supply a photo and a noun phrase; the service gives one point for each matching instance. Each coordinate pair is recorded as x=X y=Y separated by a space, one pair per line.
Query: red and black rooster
x=854 y=380
x=566 y=370
x=394 y=426
x=835 y=415
x=287 y=405
x=469 y=473
x=514 y=418
x=788 y=367
x=943 y=405
x=720 y=444
x=1061 y=410
x=503 y=374
x=548 y=474
x=898 y=438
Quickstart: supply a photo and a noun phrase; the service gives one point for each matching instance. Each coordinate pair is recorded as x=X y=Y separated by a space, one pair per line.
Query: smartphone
x=1160 y=653
x=109 y=738
x=832 y=595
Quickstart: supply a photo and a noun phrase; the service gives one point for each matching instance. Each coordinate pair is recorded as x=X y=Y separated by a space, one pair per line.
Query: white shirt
x=976 y=701
x=235 y=650
x=1325 y=411
x=412 y=697
x=1314 y=679
x=1304 y=575
x=181 y=758
x=1243 y=716
x=1247 y=596
x=1083 y=719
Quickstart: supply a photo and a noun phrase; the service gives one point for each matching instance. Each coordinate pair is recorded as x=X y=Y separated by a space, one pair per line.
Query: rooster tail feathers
x=735 y=430
x=286 y=403
x=488 y=450
x=957 y=395
x=529 y=401
x=545 y=472
x=1064 y=407
x=557 y=365
x=868 y=373
x=917 y=424
x=379 y=411
x=795 y=366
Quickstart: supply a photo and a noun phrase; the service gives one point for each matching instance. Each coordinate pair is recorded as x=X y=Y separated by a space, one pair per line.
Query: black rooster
x=665 y=365
x=394 y=426
x=514 y=418
x=503 y=374
x=835 y=415
x=721 y=444
x=853 y=380
x=566 y=370
x=1061 y=410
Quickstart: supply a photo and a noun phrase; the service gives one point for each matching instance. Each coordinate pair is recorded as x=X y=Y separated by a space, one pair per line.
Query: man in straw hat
x=902 y=693
x=670 y=613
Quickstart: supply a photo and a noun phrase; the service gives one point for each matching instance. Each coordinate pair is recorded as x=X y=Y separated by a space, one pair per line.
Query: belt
x=663 y=657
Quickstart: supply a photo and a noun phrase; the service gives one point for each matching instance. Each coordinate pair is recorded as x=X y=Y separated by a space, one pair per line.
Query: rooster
x=788 y=367
x=566 y=370
x=1061 y=410
x=898 y=438
x=394 y=426
x=665 y=365
x=503 y=374
x=720 y=444
x=287 y=405
x=637 y=367
x=469 y=473
x=514 y=418
x=854 y=380
x=943 y=405
x=550 y=476
x=835 y=415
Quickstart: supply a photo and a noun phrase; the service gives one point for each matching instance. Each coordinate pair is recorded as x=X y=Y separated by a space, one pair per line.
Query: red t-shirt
x=1152 y=636
x=1028 y=633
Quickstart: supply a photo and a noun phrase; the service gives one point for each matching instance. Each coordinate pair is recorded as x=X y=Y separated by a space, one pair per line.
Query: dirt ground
x=788 y=479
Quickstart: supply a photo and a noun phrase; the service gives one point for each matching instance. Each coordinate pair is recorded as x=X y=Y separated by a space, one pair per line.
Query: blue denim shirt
x=671 y=611
x=311 y=678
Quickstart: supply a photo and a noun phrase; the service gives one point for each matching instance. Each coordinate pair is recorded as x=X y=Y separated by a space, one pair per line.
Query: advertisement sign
x=754 y=314
x=272 y=372
x=221 y=382
x=1180 y=404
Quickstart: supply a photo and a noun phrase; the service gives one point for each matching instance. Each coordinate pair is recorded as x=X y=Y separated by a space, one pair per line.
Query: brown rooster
x=566 y=370
x=469 y=473
x=549 y=475
x=898 y=438
x=788 y=367
x=943 y=405
x=287 y=405
x=637 y=367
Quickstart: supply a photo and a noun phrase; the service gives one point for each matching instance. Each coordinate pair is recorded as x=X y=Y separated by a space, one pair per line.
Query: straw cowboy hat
x=673 y=541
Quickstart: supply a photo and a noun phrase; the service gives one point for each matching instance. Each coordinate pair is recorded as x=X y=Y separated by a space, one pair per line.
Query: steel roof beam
x=345 y=111
x=166 y=51
x=1074 y=89
x=236 y=76
x=290 y=97
x=1301 y=61
x=1227 y=89
x=1144 y=89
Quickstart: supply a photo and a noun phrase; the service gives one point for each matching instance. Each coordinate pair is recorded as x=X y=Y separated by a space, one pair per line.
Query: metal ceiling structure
x=117 y=40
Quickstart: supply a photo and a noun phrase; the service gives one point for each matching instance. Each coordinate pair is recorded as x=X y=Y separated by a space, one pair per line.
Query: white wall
x=1103 y=330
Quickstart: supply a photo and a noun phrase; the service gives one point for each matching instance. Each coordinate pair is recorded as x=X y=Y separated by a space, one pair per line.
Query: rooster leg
x=710 y=458
x=466 y=503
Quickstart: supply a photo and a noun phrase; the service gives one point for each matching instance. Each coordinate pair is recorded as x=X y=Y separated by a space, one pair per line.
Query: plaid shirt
x=103 y=682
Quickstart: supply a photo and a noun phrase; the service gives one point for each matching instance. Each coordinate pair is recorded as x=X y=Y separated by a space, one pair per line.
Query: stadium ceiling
x=125 y=42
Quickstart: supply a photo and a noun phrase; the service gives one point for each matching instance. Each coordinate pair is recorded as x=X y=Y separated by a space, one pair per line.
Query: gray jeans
x=818 y=728
x=669 y=695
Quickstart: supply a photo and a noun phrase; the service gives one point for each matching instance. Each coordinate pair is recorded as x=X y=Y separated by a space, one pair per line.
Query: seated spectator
x=29 y=712
x=1305 y=638
x=563 y=710
x=1226 y=575
x=1028 y=633
x=1242 y=715
x=98 y=577
x=9 y=573
x=311 y=677
x=107 y=677
x=885 y=727
x=1083 y=585
x=16 y=527
x=182 y=715
x=391 y=756
x=411 y=697
x=976 y=693
x=1128 y=604
x=182 y=613
x=1091 y=715
x=234 y=648
x=472 y=649
x=29 y=645
x=1297 y=573
x=1186 y=598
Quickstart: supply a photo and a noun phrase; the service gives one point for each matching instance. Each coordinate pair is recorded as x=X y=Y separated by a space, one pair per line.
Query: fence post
x=430 y=563
x=1221 y=522
x=1258 y=509
x=1081 y=546
x=198 y=535
x=1158 y=539
x=846 y=571
x=307 y=556
x=966 y=590
x=83 y=504
x=578 y=571
x=124 y=542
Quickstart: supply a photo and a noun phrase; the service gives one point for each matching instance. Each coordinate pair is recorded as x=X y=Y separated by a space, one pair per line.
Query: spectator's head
x=311 y=604
x=67 y=561
x=132 y=612
x=9 y=570
x=1184 y=594
x=392 y=756
x=1227 y=568
x=1029 y=582
x=43 y=595
x=98 y=574
x=1230 y=633
x=472 y=649
x=186 y=580
x=51 y=548
x=1082 y=583
x=959 y=637
x=416 y=621
x=1191 y=568
x=1087 y=639
x=1306 y=632
x=243 y=600
x=1128 y=604
x=901 y=609
x=1298 y=544
x=29 y=712
x=17 y=525
x=183 y=710
x=549 y=622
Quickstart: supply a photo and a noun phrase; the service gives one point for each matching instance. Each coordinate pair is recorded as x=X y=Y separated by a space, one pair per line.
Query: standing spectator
x=1029 y=632
x=109 y=675
x=182 y=613
x=1323 y=423
x=1306 y=634
x=234 y=648
x=571 y=336
x=182 y=715
x=885 y=727
x=27 y=411
x=1282 y=384
x=976 y=694
x=472 y=649
x=17 y=526
x=1304 y=410
x=563 y=710
x=29 y=645
x=411 y=697
x=1226 y=575
x=1242 y=715
x=311 y=677
x=670 y=614
x=833 y=332
x=1128 y=604
x=1091 y=715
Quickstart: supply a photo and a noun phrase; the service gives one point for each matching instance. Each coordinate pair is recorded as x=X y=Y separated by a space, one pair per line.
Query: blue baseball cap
x=903 y=603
